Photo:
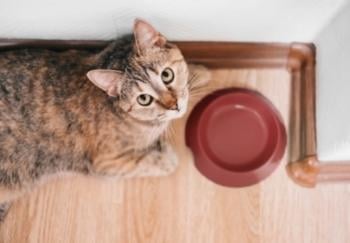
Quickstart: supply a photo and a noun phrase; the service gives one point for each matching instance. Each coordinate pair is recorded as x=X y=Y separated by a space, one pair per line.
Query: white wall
x=224 y=20
x=333 y=88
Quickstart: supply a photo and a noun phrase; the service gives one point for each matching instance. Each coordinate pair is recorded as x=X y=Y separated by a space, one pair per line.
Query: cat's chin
x=172 y=115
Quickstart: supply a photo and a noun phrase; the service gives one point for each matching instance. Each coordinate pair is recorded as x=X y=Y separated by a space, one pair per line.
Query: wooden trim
x=298 y=58
x=309 y=172
x=236 y=55
x=7 y=44
x=211 y=54
x=305 y=169
x=301 y=64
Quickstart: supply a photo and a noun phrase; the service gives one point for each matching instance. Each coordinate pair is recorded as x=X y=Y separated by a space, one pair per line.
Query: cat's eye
x=167 y=76
x=145 y=99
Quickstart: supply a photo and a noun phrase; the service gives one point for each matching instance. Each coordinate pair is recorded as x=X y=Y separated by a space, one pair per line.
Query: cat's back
x=19 y=77
x=27 y=57
x=33 y=79
x=24 y=65
x=17 y=68
x=35 y=88
x=25 y=73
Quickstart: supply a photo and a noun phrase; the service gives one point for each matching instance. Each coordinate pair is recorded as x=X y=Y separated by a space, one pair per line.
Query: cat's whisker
x=201 y=94
x=191 y=81
x=198 y=89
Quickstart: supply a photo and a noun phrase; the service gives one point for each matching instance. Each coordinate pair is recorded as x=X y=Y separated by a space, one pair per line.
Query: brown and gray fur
x=54 y=119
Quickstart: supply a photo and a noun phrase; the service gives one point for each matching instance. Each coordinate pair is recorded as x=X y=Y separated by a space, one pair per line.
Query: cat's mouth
x=172 y=114
x=178 y=113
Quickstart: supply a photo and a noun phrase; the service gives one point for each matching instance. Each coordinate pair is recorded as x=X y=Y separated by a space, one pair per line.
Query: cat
x=97 y=113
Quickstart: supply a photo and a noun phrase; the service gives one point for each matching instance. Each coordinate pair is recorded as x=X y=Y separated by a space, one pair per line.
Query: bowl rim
x=211 y=169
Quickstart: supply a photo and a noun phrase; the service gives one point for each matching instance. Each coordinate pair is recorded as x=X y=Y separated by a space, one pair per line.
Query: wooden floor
x=186 y=207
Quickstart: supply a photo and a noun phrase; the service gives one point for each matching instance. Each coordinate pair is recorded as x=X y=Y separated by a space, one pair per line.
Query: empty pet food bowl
x=236 y=136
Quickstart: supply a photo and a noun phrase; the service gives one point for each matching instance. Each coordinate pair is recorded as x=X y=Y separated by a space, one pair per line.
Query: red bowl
x=237 y=137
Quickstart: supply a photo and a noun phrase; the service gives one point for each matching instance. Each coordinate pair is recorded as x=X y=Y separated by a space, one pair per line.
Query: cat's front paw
x=169 y=160
x=163 y=162
x=158 y=162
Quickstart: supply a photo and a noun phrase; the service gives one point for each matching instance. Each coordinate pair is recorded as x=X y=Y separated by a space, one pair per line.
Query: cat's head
x=154 y=84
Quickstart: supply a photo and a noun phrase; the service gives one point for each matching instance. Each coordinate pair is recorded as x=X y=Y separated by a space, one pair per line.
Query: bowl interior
x=238 y=132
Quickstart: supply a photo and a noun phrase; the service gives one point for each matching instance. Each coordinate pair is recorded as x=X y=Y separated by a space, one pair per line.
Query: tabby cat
x=94 y=113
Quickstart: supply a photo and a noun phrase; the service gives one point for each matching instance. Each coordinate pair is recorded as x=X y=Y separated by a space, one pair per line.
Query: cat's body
x=54 y=119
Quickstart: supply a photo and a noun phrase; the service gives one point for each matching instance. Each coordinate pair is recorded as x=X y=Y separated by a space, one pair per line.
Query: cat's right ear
x=146 y=36
x=108 y=80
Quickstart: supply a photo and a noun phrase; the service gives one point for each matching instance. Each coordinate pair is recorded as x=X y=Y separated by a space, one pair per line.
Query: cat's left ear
x=108 y=80
x=146 y=36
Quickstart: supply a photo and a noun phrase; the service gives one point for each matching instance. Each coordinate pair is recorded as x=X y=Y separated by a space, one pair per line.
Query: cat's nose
x=169 y=102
